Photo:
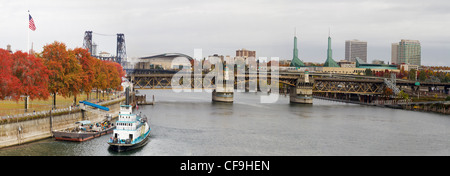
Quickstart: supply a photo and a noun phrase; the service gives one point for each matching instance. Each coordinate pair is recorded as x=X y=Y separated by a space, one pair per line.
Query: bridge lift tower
x=87 y=43
x=121 y=51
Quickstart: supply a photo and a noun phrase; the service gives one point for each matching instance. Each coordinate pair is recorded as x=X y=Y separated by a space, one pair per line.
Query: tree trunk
x=54 y=100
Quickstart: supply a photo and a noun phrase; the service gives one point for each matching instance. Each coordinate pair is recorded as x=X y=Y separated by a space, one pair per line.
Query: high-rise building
x=245 y=53
x=394 y=53
x=409 y=52
x=354 y=49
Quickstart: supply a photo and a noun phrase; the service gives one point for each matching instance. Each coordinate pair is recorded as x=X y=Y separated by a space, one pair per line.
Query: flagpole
x=28 y=29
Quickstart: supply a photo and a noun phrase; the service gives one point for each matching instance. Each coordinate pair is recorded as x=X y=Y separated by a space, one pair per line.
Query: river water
x=190 y=124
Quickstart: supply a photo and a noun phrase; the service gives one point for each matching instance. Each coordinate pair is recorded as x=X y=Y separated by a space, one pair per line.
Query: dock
x=142 y=100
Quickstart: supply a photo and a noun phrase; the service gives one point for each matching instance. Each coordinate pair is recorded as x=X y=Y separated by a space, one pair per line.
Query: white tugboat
x=132 y=130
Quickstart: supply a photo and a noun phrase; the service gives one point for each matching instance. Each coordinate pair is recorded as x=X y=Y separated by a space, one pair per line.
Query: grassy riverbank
x=11 y=107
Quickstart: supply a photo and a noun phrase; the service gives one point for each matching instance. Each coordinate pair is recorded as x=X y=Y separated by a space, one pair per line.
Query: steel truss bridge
x=322 y=83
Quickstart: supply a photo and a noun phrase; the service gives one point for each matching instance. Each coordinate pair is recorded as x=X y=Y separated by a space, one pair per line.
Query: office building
x=409 y=52
x=394 y=53
x=354 y=49
x=245 y=53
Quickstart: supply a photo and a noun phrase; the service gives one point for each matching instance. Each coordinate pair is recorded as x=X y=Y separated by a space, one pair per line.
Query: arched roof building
x=166 y=61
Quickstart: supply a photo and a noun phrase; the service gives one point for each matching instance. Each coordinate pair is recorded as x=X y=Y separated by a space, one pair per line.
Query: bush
x=403 y=95
x=447 y=99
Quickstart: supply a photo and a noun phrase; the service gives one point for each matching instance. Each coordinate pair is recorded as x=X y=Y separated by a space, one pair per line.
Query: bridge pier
x=301 y=93
x=251 y=86
x=222 y=96
x=223 y=92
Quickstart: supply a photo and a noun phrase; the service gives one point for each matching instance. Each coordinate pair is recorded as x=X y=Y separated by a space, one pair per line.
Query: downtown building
x=245 y=53
x=407 y=52
x=355 y=49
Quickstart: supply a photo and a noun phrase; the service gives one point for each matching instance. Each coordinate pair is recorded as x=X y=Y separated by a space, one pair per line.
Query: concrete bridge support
x=223 y=95
x=301 y=95
x=302 y=92
x=224 y=92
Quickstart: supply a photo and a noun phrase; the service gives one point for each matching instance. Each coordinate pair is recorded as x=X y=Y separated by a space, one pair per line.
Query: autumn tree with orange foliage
x=88 y=65
x=57 y=70
x=120 y=73
x=9 y=84
x=100 y=76
x=32 y=75
x=65 y=70
x=22 y=74
x=108 y=76
x=76 y=71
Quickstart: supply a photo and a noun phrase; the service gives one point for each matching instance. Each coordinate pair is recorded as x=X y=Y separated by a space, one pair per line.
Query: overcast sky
x=221 y=27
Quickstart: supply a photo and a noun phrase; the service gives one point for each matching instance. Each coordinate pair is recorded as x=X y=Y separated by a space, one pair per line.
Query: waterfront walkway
x=46 y=113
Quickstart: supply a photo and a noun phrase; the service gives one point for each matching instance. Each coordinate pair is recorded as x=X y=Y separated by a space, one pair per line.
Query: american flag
x=32 y=26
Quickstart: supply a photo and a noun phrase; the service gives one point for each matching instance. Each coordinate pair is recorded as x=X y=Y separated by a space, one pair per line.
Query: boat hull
x=79 y=137
x=118 y=147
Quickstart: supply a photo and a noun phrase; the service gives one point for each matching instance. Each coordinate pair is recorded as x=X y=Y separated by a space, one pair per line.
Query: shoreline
x=13 y=133
x=392 y=106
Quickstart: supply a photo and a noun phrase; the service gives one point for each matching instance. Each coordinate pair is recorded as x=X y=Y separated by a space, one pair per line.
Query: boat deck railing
x=127 y=141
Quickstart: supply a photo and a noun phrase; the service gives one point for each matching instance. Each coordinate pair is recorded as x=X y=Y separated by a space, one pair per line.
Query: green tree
x=368 y=72
x=412 y=74
x=403 y=95
x=447 y=78
x=422 y=75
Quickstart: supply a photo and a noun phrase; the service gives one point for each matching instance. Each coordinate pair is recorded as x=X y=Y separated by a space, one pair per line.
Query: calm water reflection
x=190 y=124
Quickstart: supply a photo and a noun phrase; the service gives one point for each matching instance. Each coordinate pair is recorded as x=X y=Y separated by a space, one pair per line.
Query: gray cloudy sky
x=221 y=27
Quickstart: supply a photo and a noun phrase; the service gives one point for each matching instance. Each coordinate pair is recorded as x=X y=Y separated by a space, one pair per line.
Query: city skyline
x=223 y=27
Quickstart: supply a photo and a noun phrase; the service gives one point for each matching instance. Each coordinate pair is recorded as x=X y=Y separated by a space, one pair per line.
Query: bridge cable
x=103 y=34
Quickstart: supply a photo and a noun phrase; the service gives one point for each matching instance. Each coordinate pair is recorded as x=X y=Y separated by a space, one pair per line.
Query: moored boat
x=84 y=131
x=132 y=131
